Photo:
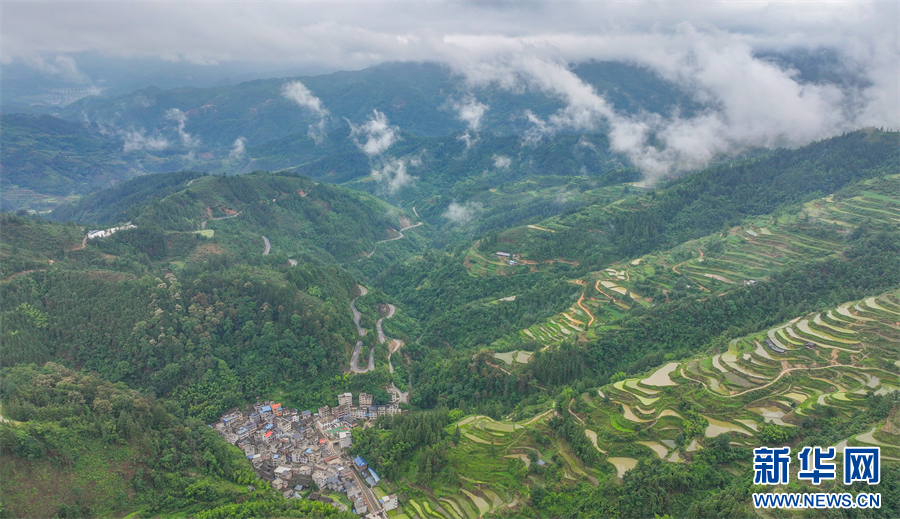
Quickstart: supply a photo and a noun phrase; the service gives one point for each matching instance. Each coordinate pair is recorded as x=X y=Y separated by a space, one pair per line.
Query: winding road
x=203 y=223
x=268 y=246
x=354 y=359
x=382 y=338
x=369 y=255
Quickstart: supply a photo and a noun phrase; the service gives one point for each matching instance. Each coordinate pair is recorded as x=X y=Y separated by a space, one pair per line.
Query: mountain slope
x=79 y=446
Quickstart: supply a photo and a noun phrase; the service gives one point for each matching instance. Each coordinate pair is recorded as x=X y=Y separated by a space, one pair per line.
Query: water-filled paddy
x=798 y=397
x=622 y=464
x=770 y=414
x=804 y=327
x=749 y=424
x=633 y=384
x=717 y=427
x=737 y=380
x=656 y=447
x=761 y=352
x=661 y=376
x=626 y=411
x=593 y=437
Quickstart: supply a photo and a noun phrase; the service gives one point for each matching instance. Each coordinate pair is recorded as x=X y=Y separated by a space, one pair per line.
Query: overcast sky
x=710 y=47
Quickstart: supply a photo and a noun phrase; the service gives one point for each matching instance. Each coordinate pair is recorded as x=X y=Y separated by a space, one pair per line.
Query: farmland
x=719 y=263
x=834 y=362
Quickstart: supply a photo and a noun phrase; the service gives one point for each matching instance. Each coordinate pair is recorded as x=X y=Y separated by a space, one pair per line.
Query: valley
x=534 y=328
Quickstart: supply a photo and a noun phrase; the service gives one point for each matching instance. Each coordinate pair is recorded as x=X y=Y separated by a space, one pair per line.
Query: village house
x=390 y=502
x=291 y=448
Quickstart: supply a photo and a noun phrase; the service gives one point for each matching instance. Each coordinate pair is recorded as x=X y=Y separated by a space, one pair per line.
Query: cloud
x=468 y=138
x=502 y=162
x=393 y=174
x=138 y=140
x=62 y=66
x=297 y=92
x=237 y=149
x=378 y=133
x=750 y=102
x=462 y=214
x=470 y=111
x=711 y=50
x=181 y=118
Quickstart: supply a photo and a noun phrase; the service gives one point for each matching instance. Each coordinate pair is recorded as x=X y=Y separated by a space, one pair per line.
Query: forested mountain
x=259 y=125
x=519 y=278
x=417 y=97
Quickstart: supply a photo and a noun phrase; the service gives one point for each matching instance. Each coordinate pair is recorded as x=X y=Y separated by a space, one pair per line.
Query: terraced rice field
x=748 y=253
x=486 y=485
x=866 y=328
x=522 y=357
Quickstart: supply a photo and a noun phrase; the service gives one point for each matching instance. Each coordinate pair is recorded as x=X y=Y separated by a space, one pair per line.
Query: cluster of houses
x=352 y=414
x=104 y=233
x=298 y=449
x=507 y=257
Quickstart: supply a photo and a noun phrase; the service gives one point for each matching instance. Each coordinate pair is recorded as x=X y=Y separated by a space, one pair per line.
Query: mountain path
x=354 y=359
x=369 y=255
x=203 y=223
x=268 y=246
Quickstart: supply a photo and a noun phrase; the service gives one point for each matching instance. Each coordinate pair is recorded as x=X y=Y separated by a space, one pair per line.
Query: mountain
x=93 y=448
x=417 y=97
x=573 y=342
x=46 y=156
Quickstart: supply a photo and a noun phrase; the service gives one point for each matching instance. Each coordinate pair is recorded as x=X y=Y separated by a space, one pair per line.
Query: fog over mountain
x=748 y=64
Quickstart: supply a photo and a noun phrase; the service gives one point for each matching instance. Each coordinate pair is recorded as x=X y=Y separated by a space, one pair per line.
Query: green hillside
x=46 y=159
x=75 y=445
x=613 y=360
x=675 y=439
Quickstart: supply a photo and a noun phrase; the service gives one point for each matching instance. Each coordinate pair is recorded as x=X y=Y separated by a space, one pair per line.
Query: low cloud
x=750 y=102
x=379 y=135
x=62 y=66
x=393 y=174
x=469 y=111
x=502 y=162
x=462 y=214
x=237 y=149
x=138 y=140
x=181 y=118
x=298 y=93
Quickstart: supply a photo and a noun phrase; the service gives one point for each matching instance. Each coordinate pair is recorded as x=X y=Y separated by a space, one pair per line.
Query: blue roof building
x=360 y=463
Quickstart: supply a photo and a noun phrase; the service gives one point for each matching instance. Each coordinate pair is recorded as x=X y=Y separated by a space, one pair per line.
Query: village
x=303 y=453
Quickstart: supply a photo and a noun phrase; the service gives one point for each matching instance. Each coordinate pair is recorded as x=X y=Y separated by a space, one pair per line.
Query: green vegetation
x=619 y=368
x=94 y=448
